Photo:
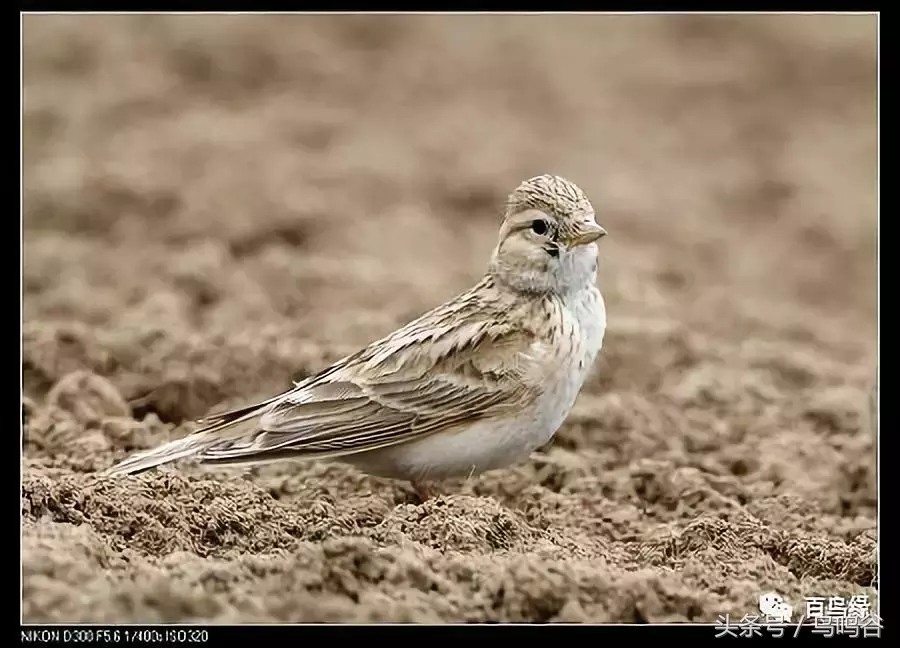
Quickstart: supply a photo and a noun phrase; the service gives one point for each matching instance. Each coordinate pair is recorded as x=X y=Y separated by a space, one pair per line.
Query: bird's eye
x=539 y=226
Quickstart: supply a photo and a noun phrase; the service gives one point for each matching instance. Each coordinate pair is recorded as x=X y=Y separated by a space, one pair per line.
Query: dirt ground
x=215 y=205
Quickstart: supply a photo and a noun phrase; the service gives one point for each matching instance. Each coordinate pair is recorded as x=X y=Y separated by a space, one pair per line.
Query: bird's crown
x=551 y=194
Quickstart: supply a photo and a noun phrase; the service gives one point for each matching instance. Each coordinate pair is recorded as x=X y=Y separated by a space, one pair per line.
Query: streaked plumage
x=475 y=384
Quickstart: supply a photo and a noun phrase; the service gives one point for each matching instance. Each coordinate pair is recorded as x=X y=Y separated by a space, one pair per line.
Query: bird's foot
x=425 y=491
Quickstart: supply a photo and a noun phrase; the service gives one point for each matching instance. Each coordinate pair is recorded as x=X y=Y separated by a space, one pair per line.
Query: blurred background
x=217 y=204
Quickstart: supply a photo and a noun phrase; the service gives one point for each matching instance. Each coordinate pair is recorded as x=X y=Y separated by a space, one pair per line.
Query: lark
x=476 y=384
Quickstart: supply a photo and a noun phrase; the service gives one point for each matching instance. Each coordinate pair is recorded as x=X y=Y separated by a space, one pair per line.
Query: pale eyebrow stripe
x=521 y=226
x=552 y=226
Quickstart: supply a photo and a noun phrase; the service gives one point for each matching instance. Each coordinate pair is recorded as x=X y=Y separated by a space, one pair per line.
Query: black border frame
x=191 y=635
x=89 y=634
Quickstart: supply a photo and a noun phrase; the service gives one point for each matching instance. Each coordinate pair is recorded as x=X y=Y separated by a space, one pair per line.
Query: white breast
x=589 y=310
x=584 y=311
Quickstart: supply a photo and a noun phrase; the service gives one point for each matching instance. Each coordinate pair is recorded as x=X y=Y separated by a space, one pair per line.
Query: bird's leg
x=424 y=490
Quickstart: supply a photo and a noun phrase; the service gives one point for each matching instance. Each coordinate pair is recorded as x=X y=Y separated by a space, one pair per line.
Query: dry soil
x=217 y=205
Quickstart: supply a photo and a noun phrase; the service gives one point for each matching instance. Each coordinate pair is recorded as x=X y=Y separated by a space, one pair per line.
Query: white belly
x=487 y=445
x=483 y=446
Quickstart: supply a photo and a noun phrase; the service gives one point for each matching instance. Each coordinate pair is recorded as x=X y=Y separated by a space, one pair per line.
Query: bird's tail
x=166 y=453
x=217 y=429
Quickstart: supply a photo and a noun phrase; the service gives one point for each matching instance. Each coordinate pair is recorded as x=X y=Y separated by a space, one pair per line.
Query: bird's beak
x=586 y=233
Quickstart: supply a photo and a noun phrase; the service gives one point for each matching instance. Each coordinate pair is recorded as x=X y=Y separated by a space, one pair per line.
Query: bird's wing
x=423 y=379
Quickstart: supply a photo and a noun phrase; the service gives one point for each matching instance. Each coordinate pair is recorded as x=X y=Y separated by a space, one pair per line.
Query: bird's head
x=547 y=237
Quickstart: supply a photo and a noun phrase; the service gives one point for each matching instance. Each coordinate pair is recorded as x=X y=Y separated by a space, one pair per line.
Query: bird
x=476 y=384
